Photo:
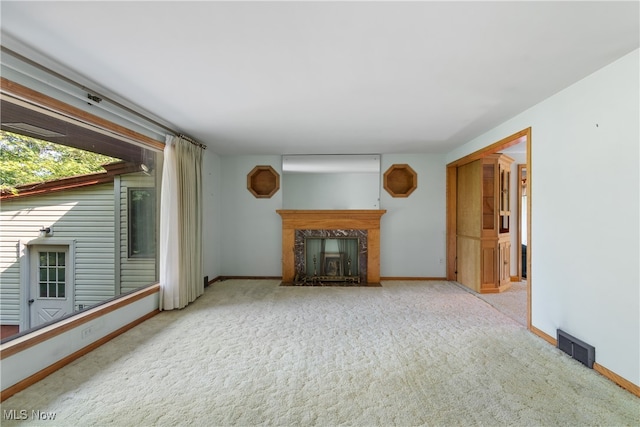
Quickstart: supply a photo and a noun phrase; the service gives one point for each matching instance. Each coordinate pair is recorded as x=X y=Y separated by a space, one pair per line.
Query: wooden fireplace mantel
x=350 y=219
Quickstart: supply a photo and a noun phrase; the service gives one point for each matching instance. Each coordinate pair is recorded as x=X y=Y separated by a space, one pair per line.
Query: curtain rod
x=193 y=141
x=95 y=96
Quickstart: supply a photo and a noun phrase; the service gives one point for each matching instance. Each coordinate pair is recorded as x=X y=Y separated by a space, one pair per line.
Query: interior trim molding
x=548 y=338
x=223 y=278
x=507 y=142
x=32 y=97
x=214 y=280
x=612 y=376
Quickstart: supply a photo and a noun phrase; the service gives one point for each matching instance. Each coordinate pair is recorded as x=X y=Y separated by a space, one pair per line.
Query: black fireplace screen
x=331 y=255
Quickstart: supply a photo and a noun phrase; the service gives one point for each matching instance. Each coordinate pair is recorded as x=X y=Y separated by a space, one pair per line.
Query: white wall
x=251 y=242
x=412 y=232
x=585 y=211
x=212 y=238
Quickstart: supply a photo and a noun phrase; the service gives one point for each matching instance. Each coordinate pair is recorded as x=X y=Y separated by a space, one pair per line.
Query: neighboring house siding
x=9 y=280
x=134 y=272
x=85 y=215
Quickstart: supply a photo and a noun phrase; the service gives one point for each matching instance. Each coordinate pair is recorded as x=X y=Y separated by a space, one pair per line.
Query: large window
x=68 y=182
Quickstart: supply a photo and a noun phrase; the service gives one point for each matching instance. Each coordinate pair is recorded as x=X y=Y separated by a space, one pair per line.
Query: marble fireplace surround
x=319 y=222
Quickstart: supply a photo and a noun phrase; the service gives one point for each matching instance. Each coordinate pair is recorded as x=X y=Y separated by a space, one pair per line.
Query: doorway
x=522 y=218
x=453 y=251
x=50 y=283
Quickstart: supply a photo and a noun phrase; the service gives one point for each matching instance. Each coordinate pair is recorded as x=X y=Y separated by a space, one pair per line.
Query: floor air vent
x=579 y=350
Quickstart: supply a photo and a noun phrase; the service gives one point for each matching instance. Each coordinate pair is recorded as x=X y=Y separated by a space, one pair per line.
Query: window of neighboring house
x=52 y=274
x=142 y=222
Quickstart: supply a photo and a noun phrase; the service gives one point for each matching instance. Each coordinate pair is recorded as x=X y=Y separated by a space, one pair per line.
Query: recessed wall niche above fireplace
x=344 y=243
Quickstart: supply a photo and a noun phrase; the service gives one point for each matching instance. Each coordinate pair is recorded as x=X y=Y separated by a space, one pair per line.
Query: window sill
x=36 y=337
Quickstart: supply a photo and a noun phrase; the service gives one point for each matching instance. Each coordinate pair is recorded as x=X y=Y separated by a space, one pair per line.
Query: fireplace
x=331 y=246
x=330 y=256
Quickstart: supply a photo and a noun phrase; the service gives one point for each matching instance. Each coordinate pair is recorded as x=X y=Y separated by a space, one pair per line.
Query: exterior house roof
x=39 y=188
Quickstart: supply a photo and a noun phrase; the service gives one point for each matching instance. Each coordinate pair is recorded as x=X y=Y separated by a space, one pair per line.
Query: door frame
x=451 y=203
x=26 y=253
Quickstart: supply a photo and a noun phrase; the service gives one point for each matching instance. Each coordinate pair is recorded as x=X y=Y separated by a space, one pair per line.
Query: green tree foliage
x=25 y=160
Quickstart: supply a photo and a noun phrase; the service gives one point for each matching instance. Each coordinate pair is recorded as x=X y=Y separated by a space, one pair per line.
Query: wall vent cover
x=579 y=350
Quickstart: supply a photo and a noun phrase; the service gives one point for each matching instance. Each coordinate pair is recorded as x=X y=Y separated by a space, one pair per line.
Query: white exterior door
x=50 y=292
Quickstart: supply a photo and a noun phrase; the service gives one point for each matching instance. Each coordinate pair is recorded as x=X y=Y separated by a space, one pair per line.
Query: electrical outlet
x=86 y=332
x=441 y=260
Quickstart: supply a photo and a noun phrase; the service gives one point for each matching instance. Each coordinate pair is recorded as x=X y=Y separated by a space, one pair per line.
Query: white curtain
x=181 y=277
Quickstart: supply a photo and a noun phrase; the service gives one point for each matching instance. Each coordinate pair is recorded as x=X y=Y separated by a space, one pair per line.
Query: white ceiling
x=329 y=77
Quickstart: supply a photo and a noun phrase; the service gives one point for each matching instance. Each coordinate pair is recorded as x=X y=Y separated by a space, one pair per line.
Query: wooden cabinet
x=483 y=224
x=504 y=264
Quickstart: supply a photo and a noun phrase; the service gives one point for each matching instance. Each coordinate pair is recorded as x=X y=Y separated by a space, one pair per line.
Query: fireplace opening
x=330 y=257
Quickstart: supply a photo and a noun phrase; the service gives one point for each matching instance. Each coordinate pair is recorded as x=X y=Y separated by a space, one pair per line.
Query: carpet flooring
x=512 y=302
x=251 y=352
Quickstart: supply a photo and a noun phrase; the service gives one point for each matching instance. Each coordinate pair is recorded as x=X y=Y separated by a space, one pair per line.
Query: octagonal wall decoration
x=263 y=181
x=400 y=180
